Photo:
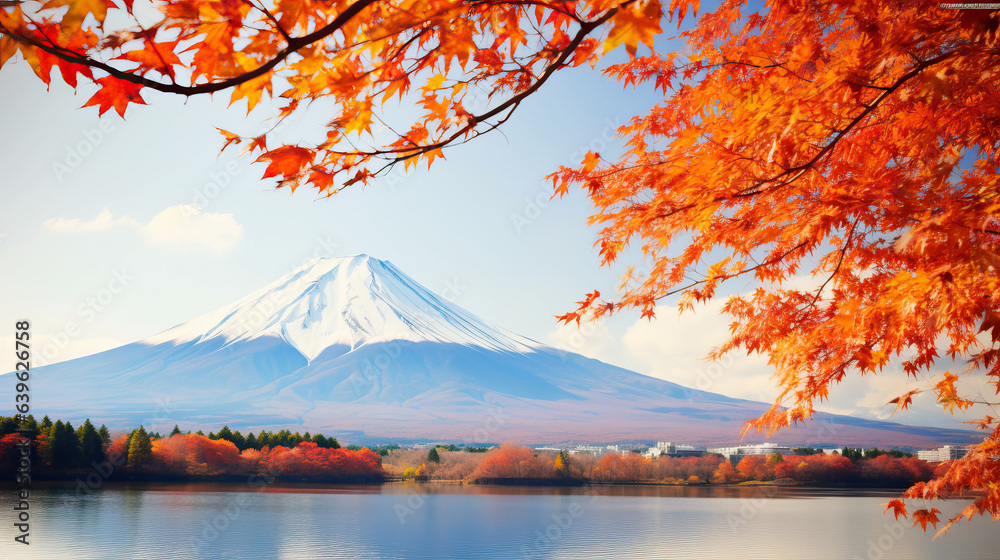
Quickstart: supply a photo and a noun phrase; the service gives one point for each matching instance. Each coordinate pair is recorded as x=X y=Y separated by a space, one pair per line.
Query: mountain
x=354 y=347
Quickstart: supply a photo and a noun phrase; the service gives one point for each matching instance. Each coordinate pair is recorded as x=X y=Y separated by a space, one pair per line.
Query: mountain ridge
x=352 y=346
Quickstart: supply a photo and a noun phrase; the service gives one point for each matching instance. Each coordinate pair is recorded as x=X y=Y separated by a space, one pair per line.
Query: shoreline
x=257 y=481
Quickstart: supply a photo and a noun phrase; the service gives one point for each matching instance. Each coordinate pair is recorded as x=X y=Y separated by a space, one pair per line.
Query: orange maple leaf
x=904 y=400
x=259 y=143
x=924 y=516
x=155 y=56
x=230 y=138
x=321 y=179
x=633 y=25
x=8 y=47
x=252 y=90
x=948 y=395
x=115 y=93
x=898 y=508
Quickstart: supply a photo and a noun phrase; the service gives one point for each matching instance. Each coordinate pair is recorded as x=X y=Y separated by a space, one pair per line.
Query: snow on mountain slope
x=347 y=301
x=355 y=348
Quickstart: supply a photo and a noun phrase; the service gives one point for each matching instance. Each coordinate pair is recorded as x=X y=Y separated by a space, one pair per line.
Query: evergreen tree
x=238 y=440
x=225 y=433
x=30 y=425
x=62 y=446
x=433 y=456
x=46 y=424
x=105 y=435
x=8 y=425
x=176 y=431
x=283 y=438
x=200 y=433
x=90 y=446
x=325 y=442
x=211 y=435
x=251 y=442
x=128 y=444
x=140 y=450
x=852 y=453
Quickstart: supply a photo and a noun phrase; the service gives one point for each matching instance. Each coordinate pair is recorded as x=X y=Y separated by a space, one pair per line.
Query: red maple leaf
x=115 y=93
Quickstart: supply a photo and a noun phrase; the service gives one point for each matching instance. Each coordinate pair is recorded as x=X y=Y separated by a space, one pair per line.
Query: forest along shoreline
x=90 y=456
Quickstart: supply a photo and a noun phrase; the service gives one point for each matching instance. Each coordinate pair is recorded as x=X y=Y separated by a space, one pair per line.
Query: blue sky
x=113 y=230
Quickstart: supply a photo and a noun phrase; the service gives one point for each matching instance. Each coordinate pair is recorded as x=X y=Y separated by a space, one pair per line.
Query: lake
x=455 y=522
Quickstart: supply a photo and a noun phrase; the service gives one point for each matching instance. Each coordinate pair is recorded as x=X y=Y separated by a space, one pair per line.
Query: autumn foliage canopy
x=850 y=146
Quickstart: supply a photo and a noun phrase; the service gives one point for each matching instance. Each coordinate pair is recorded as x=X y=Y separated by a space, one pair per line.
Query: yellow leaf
x=78 y=11
x=634 y=25
x=252 y=90
x=434 y=83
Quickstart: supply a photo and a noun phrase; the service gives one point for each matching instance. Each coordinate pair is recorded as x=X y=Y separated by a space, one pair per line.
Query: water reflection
x=451 y=521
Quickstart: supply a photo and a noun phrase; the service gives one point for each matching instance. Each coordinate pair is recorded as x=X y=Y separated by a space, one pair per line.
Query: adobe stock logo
x=970 y=5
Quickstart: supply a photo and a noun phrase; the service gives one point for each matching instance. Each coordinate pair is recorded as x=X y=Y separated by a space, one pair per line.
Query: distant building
x=671 y=449
x=598 y=450
x=946 y=453
x=734 y=454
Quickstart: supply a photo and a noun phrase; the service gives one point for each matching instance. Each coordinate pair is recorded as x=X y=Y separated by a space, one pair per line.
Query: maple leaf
x=115 y=93
x=155 y=56
x=68 y=70
x=904 y=400
x=898 y=508
x=252 y=91
x=991 y=322
x=948 y=395
x=983 y=423
x=634 y=24
x=230 y=138
x=8 y=47
x=286 y=160
x=321 y=179
x=78 y=11
x=258 y=143
x=924 y=516
x=431 y=154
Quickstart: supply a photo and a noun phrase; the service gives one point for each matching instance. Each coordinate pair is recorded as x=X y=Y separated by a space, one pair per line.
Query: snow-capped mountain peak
x=345 y=301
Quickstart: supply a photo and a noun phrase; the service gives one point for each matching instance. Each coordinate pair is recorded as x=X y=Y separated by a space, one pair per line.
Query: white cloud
x=186 y=224
x=674 y=347
x=589 y=339
x=178 y=226
x=103 y=221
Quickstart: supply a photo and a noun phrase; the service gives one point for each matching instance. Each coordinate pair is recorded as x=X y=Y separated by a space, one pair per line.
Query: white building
x=674 y=450
x=734 y=454
x=946 y=453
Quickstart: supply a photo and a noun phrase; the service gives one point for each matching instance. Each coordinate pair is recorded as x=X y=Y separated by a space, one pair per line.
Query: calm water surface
x=452 y=522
